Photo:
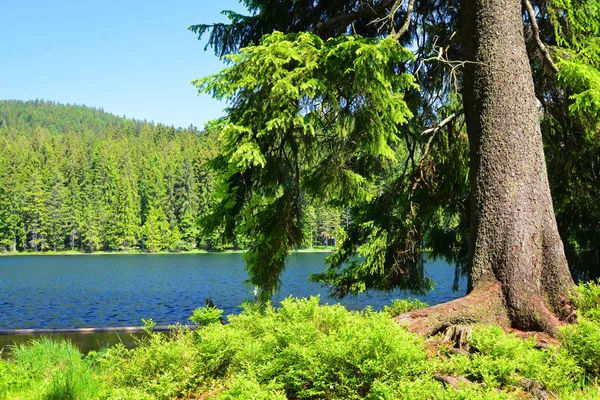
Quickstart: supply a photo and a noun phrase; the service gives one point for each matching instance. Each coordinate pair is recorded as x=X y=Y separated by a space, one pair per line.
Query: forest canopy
x=78 y=178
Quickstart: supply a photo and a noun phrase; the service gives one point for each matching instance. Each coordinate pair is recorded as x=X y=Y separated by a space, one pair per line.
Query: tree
x=515 y=257
x=54 y=223
x=516 y=251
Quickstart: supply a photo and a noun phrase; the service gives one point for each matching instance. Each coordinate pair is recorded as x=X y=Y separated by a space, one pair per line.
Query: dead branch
x=536 y=35
x=406 y=24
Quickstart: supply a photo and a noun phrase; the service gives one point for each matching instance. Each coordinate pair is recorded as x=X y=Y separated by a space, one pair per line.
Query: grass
x=307 y=351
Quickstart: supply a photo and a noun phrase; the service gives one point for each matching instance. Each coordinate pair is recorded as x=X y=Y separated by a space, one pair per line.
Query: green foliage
x=422 y=200
x=161 y=367
x=582 y=342
x=587 y=300
x=304 y=350
x=47 y=369
x=245 y=387
x=114 y=184
x=206 y=315
x=577 y=30
x=401 y=306
x=502 y=360
x=308 y=117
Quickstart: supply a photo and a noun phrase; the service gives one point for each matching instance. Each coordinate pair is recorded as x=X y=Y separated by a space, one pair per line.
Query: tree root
x=482 y=306
x=486 y=305
x=453 y=381
x=535 y=389
x=459 y=336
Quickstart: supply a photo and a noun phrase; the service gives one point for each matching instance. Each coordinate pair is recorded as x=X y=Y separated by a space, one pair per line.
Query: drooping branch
x=536 y=34
x=366 y=10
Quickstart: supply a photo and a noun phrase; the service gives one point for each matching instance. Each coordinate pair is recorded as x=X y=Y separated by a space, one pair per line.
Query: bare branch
x=406 y=24
x=536 y=35
x=440 y=125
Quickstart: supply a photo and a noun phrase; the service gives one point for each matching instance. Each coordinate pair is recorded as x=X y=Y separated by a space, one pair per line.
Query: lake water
x=120 y=290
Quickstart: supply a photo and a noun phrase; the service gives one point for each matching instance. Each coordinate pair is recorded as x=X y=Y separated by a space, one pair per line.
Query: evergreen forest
x=74 y=178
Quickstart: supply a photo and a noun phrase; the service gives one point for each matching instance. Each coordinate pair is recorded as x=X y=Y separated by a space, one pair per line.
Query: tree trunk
x=519 y=271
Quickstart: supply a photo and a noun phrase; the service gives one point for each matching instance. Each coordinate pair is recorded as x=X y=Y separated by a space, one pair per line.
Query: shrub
x=313 y=351
x=582 y=342
x=162 y=365
x=587 y=300
x=502 y=360
x=401 y=306
x=206 y=315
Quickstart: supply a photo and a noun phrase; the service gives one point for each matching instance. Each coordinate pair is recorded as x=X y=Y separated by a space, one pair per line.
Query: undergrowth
x=307 y=351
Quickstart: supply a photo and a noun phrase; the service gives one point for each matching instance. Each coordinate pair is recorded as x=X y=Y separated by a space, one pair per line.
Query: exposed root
x=453 y=381
x=457 y=351
x=459 y=336
x=482 y=306
x=542 y=340
x=535 y=389
x=486 y=305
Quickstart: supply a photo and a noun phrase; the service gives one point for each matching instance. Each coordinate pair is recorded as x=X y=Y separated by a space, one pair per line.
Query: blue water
x=120 y=290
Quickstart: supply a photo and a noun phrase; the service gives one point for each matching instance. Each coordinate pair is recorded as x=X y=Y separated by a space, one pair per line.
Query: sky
x=130 y=57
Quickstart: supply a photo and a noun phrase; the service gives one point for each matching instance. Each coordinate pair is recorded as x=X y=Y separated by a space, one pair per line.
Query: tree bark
x=519 y=271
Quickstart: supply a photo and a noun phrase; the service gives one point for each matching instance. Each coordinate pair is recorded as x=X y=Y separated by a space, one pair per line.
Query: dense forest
x=78 y=178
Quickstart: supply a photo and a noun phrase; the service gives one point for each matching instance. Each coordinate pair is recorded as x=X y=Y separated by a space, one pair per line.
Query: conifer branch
x=366 y=10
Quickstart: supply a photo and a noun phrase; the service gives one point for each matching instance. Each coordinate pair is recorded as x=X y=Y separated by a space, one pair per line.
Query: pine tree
x=55 y=220
x=155 y=232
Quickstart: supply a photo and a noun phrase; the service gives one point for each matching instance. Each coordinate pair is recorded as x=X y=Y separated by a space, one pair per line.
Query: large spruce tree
x=329 y=108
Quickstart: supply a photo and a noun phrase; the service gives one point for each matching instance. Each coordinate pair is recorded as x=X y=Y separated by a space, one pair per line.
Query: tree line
x=78 y=178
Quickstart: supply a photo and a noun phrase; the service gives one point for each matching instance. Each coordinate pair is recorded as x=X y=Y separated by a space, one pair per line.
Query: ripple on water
x=120 y=290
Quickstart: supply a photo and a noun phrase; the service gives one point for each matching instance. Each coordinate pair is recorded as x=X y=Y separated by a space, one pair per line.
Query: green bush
x=305 y=351
x=206 y=315
x=162 y=365
x=587 y=300
x=312 y=351
x=401 y=306
x=582 y=343
x=501 y=360
x=245 y=387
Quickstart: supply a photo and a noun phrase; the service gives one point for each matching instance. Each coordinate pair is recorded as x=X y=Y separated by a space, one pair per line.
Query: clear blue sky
x=130 y=57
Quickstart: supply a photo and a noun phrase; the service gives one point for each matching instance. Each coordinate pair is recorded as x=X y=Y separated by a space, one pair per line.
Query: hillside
x=58 y=118
x=74 y=177
x=78 y=178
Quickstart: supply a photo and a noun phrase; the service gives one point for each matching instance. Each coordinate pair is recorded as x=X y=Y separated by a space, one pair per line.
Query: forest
x=80 y=179
x=466 y=131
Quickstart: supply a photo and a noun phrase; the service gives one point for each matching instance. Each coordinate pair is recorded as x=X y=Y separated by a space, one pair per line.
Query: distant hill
x=59 y=118
x=75 y=178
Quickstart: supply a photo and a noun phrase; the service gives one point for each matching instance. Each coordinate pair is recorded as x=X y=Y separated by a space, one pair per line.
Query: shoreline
x=142 y=253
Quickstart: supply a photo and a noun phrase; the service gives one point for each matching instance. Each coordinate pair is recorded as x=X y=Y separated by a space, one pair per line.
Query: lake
x=120 y=290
